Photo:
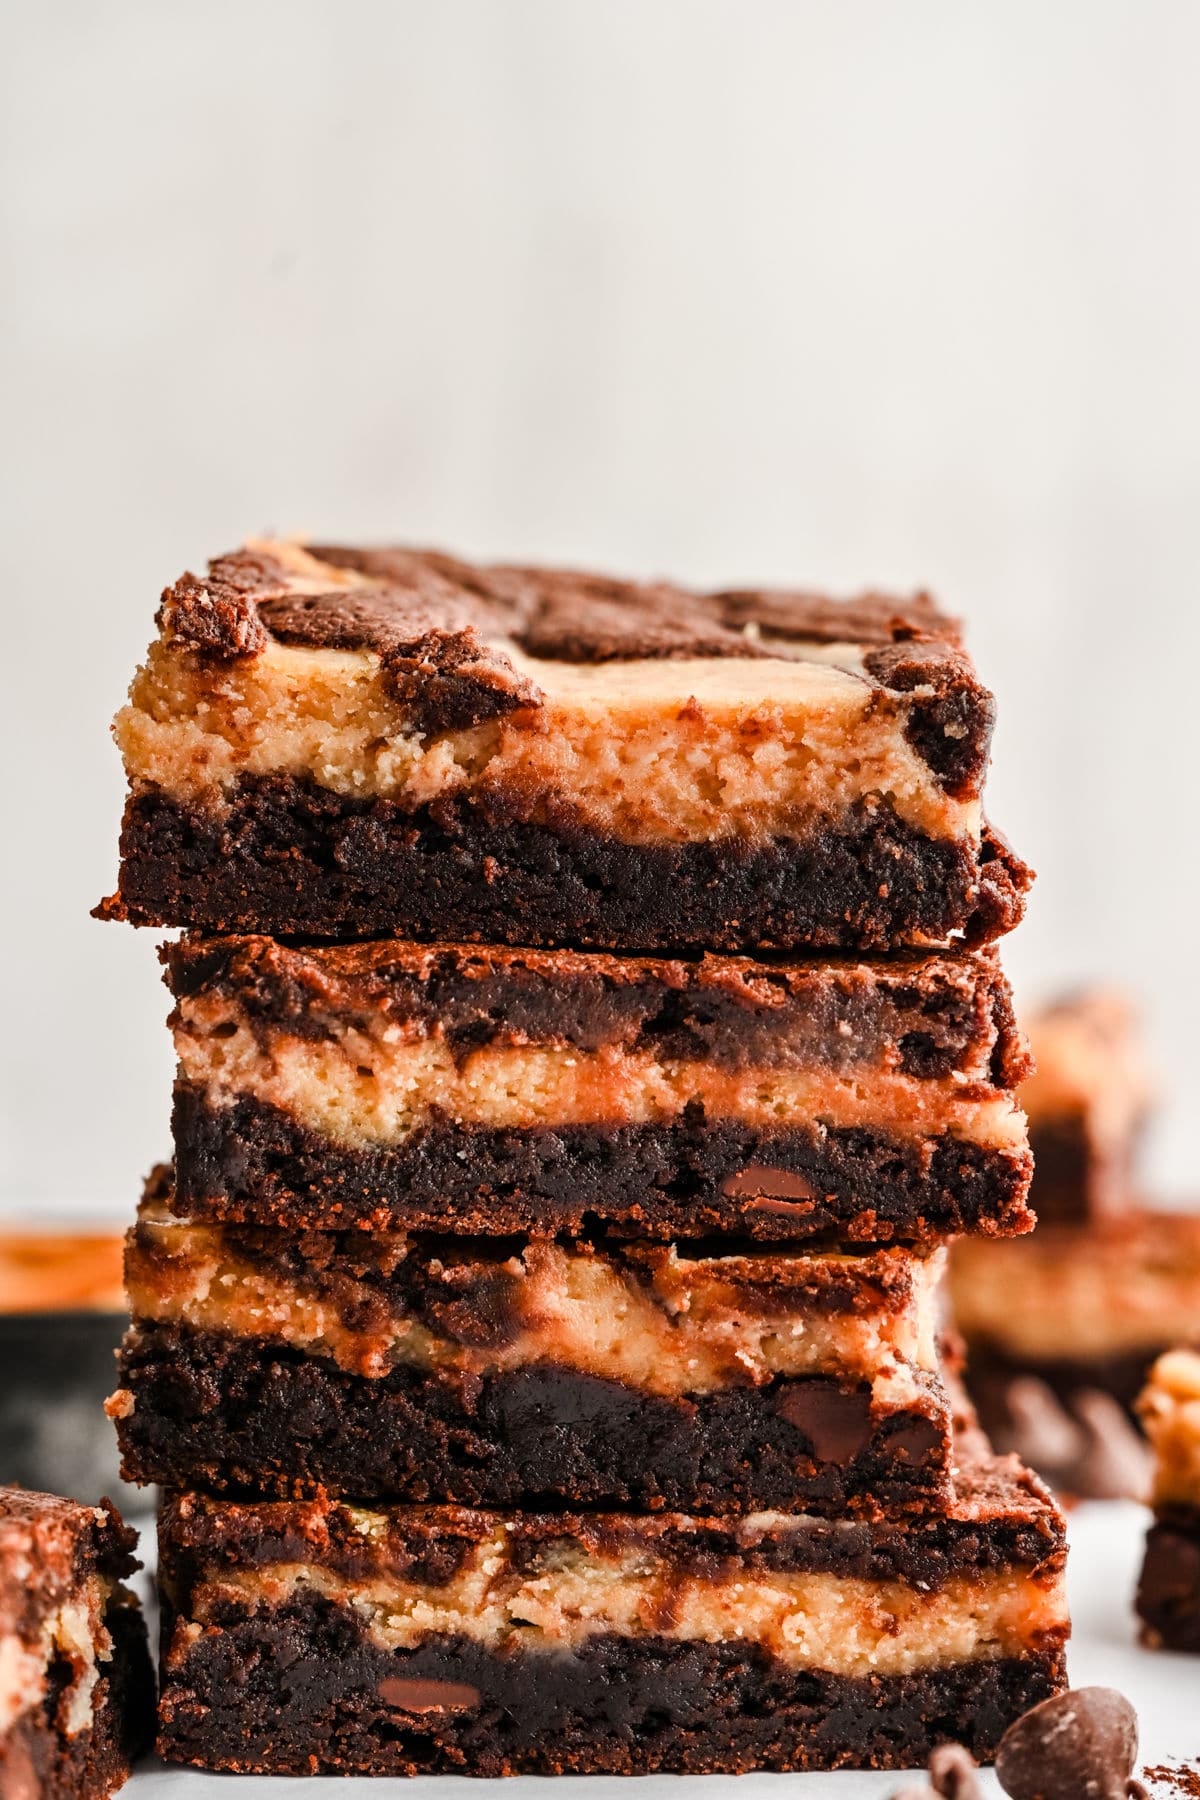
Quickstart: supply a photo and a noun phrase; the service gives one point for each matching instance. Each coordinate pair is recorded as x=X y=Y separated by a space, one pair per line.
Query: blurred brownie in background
x=62 y=1314
x=1087 y=1101
x=1062 y=1327
x=1168 y=1598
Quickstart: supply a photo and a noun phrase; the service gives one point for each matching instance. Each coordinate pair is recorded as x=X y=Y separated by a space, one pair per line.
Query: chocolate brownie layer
x=922 y=1019
x=246 y=1414
x=303 y=1637
x=296 y=1693
x=1168 y=1595
x=358 y=744
x=687 y=1178
x=1088 y=1100
x=468 y=1084
x=76 y=1700
x=286 y=857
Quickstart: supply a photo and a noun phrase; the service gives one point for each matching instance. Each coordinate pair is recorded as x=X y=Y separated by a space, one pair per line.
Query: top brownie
x=353 y=743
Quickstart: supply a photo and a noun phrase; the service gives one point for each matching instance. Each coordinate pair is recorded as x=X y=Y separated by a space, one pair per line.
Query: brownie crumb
x=1180 y=1779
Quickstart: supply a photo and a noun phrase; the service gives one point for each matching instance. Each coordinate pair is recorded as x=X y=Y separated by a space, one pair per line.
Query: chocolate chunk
x=768 y=1184
x=429 y=1696
x=1080 y=1745
x=837 y=1424
x=1116 y=1462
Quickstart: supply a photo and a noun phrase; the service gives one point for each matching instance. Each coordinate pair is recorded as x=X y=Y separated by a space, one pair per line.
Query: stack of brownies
x=588 y=1033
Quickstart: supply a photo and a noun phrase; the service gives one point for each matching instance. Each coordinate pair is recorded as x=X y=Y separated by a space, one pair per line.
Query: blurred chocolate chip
x=1115 y=1464
x=1079 y=1746
x=953 y=1774
x=1042 y=1430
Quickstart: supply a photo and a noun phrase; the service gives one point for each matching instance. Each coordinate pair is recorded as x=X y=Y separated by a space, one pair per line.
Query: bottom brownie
x=297 y=1693
x=309 y=1637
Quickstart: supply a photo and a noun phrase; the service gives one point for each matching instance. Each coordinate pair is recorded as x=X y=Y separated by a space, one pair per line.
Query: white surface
x=1106 y=1548
x=788 y=290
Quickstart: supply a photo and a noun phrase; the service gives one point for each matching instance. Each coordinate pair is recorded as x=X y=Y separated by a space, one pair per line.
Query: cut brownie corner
x=78 y=1702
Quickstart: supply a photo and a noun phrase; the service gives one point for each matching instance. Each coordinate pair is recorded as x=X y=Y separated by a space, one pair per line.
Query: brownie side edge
x=300 y=1691
x=289 y=858
x=255 y=1163
x=246 y=1415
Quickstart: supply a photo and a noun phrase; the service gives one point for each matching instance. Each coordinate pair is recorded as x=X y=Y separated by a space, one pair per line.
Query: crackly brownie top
x=392 y=600
x=47 y=1546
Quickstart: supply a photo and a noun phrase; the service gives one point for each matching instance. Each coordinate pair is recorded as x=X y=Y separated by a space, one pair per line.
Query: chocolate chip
x=759 y=1181
x=953 y=1774
x=1043 y=1431
x=1078 y=1746
x=836 y=1423
x=1116 y=1463
x=428 y=1696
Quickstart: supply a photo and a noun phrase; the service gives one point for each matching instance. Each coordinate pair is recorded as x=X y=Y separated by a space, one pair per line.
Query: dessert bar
x=470 y=1089
x=1088 y=1100
x=1168 y=1598
x=308 y=1637
x=358 y=743
x=76 y=1691
x=1078 y=1309
x=530 y=1371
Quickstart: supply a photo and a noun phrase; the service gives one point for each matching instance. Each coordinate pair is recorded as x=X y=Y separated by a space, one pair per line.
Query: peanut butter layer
x=1170 y=1412
x=363 y=1089
x=811 y=1593
x=650 y=1316
x=653 y=714
x=846 y=1627
x=1123 y=1285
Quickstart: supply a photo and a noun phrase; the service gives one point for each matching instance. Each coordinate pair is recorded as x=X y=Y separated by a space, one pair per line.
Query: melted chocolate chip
x=765 y=1184
x=837 y=1424
x=429 y=1696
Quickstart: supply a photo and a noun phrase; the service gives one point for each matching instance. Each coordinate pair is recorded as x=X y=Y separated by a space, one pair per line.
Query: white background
x=731 y=289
